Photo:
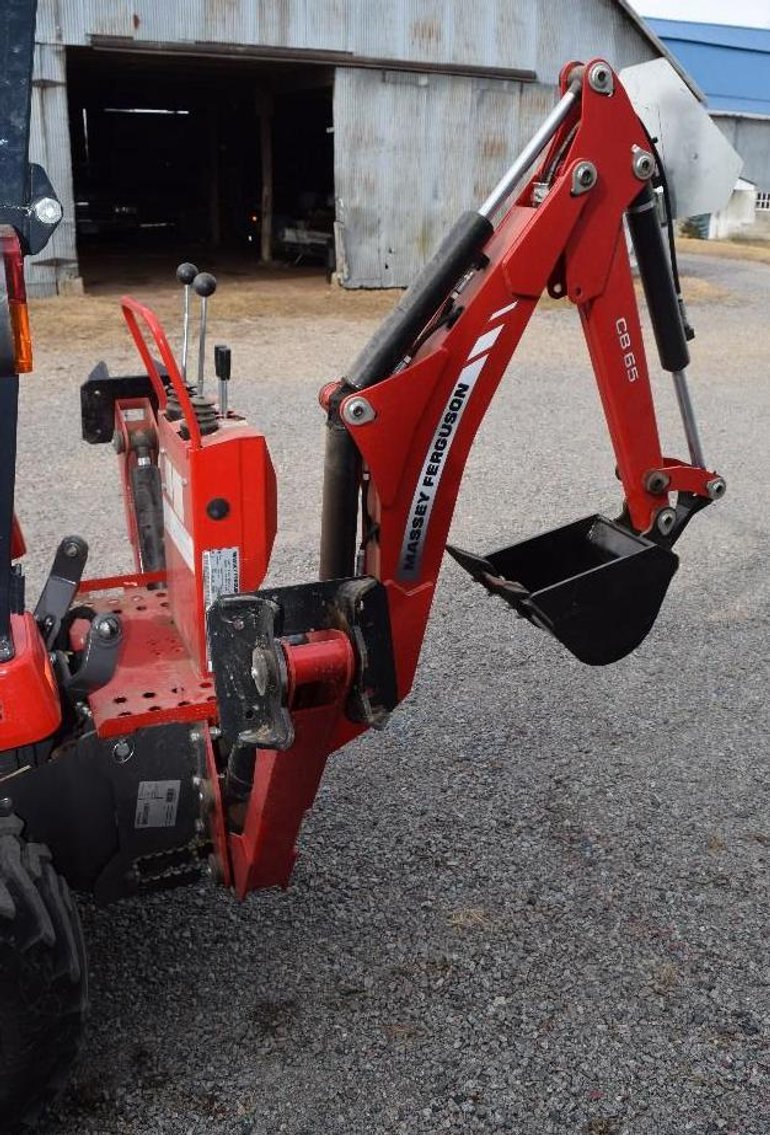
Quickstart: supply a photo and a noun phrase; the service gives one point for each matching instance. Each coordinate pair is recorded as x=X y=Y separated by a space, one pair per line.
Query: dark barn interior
x=178 y=155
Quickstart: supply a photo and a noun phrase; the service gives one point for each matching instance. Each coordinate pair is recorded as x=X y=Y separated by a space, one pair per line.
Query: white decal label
x=433 y=468
x=221 y=573
x=156 y=803
x=181 y=538
x=413 y=544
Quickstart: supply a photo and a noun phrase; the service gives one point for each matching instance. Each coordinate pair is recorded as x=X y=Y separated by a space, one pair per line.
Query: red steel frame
x=414 y=447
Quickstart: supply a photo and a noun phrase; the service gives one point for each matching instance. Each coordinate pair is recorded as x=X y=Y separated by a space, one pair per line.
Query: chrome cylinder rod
x=531 y=151
x=204 y=285
x=185 y=330
x=185 y=274
x=202 y=344
x=688 y=419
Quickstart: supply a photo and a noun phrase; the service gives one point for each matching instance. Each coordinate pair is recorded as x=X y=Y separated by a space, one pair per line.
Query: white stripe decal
x=182 y=539
x=503 y=311
x=485 y=342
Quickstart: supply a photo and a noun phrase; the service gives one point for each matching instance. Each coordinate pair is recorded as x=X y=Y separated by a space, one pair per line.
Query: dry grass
x=94 y=319
x=729 y=249
x=472 y=918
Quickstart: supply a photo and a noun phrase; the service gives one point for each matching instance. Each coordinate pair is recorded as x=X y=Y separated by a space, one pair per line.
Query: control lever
x=185 y=274
x=222 y=362
x=205 y=285
x=61 y=586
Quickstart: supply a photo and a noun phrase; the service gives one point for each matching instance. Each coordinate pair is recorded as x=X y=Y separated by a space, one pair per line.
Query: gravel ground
x=537 y=903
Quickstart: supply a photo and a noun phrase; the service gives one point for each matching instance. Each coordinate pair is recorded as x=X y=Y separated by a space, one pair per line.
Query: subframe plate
x=155 y=680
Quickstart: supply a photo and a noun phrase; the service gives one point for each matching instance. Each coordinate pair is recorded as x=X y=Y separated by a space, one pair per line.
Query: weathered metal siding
x=411 y=150
x=530 y=34
x=49 y=145
x=583 y=30
x=751 y=138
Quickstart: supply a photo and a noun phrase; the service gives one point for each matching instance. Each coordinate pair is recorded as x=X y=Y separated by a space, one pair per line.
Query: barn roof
x=731 y=64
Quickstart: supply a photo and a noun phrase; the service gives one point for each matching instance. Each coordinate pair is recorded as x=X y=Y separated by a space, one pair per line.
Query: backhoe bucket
x=593 y=585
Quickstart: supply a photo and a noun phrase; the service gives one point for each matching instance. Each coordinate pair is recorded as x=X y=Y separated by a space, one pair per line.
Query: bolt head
x=643 y=165
x=71 y=549
x=48 y=210
x=358 y=411
x=122 y=750
x=600 y=78
x=108 y=627
x=657 y=482
x=6 y=806
x=584 y=177
x=665 y=521
x=716 y=488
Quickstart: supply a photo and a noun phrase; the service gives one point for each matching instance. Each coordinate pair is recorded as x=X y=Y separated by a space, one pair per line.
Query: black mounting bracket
x=248 y=661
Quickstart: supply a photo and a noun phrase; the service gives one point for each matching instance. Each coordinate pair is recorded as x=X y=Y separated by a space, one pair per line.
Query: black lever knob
x=222 y=362
x=205 y=284
x=186 y=273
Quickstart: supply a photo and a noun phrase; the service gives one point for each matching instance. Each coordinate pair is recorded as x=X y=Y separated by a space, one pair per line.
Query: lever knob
x=222 y=362
x=186 y=273
x=205 y=284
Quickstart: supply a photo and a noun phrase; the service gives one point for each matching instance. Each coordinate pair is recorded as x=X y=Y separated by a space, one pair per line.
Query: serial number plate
x=156 y=803
x=221 y=573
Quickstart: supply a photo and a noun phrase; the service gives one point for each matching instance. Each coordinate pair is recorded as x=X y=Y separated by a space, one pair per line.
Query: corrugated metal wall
x=751 y=138
x=530 y=34
x=50 y=147
x=411 y=150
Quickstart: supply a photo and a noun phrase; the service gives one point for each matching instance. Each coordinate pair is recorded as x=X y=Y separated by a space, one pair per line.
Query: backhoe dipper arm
x=414 y=429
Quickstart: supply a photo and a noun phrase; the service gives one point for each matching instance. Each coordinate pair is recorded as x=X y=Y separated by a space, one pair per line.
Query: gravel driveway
x=538 y=902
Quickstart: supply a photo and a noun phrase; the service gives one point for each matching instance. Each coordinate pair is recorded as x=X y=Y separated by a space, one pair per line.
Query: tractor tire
x=43 y=978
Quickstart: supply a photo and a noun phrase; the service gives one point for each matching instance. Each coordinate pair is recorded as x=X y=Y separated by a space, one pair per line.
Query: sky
x=740 y=13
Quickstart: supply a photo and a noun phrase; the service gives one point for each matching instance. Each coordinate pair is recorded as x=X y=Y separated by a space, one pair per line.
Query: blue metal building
x=731 y=65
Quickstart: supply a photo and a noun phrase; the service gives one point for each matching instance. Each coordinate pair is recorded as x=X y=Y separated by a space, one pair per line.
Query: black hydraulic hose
x=659 y=290
x=339 y=511
x=458 y=252
x=689 y=332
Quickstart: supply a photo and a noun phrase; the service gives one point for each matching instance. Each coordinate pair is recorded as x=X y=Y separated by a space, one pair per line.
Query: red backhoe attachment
x=254 y=689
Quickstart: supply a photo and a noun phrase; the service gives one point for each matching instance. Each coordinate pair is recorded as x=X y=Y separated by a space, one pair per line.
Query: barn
x=302 y=128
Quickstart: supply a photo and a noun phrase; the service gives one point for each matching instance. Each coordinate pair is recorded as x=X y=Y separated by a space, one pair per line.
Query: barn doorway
x=226 y=159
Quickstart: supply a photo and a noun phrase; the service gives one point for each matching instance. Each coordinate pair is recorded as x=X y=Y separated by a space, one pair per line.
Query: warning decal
x=221 y=573
x=156 y=803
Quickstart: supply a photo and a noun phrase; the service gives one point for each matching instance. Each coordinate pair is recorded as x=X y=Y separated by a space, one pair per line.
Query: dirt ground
x=296 y=294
